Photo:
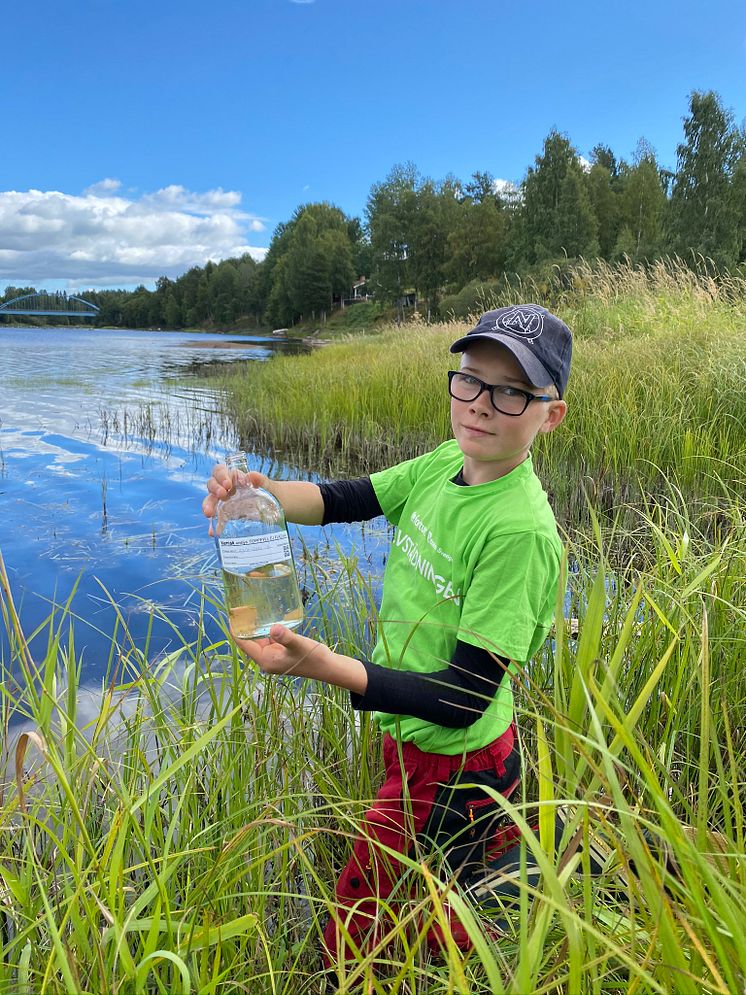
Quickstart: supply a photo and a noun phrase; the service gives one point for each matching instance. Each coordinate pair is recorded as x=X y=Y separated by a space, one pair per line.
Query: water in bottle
x=261 y=586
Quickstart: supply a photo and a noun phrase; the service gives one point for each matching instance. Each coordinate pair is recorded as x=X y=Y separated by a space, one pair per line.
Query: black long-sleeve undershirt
x=455 y=696
x=349 y=501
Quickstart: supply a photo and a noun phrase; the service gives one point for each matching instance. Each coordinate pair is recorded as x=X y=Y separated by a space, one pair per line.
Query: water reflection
x=106 y=439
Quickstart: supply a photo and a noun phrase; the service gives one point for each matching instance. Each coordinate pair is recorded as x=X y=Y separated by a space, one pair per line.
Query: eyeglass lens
x=505 y=399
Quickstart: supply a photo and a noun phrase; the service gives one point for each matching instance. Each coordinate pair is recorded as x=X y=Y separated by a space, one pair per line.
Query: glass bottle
x=261 y=586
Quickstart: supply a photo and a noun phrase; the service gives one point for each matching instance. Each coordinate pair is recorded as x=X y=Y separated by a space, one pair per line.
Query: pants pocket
x=465 y=816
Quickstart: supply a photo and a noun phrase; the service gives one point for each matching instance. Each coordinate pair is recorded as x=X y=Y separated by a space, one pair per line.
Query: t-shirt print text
x=424 y=567
x=421 y=527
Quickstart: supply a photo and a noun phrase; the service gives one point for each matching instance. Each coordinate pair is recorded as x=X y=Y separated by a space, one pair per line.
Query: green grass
x=656 y=394
x=353 y=318
x=188 y=837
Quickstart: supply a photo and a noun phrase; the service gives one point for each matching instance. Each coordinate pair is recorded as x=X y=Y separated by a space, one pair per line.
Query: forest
x=440 y=246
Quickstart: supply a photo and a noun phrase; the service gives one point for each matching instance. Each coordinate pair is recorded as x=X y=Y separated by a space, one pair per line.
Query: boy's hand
x=287 y=652
x=223 y=482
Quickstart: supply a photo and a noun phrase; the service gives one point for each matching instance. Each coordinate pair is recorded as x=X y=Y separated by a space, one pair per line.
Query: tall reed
x=187 y=836
x=656 y=393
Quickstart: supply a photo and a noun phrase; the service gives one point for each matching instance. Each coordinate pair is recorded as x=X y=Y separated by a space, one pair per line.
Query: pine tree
x=605 y=207
x=476 y=242
x=389 y=212
x=642 y=202
x=577 y=228
x=738 y=199
x=557 y=213
x=702 y=216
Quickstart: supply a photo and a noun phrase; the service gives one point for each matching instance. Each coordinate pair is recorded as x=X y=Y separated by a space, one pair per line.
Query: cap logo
x=523 y=322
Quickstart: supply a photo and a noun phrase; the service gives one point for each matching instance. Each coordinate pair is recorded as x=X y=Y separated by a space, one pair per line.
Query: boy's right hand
x=222 y=483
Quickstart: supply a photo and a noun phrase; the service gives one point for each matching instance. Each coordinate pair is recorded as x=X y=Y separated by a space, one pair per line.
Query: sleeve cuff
x=369 y=701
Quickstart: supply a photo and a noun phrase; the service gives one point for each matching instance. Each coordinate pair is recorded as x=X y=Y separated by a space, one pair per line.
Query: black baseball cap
x=540 y=341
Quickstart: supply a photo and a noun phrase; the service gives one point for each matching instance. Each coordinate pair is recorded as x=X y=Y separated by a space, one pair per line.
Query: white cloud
x=508 y=190
x=105 y=238
x=103 y=186
x=501 y=186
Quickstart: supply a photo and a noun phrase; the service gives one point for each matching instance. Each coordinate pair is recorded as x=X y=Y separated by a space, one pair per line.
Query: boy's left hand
x=287 y=652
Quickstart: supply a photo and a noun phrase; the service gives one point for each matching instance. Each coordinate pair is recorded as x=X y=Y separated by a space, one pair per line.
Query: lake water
x=106 y=440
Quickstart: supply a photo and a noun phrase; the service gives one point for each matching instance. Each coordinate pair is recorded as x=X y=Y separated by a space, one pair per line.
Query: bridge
x=57 y=305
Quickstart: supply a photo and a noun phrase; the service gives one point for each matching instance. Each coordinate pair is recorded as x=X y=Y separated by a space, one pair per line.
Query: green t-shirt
x=477 y=563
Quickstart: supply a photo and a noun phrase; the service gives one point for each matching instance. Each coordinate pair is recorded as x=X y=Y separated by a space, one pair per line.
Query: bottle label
x=243 y=553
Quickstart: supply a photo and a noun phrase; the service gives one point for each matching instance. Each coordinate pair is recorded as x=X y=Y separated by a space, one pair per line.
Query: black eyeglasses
x=506 y=400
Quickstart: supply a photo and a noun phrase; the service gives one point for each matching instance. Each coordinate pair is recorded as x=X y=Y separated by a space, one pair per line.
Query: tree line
x=440 y=242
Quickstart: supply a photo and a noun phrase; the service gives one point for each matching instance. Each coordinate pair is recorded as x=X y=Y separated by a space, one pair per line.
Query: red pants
x=418 y=810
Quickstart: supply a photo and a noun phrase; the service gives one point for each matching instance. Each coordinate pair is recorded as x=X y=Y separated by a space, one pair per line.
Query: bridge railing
x=50 y=304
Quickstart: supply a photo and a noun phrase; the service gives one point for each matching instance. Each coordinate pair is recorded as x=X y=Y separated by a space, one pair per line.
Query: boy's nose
x=482 y=404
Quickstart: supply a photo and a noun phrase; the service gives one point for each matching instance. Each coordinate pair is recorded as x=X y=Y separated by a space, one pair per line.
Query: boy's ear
x=556 y=411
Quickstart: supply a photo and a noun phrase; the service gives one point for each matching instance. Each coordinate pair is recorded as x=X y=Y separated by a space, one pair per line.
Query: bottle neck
x=237 y=461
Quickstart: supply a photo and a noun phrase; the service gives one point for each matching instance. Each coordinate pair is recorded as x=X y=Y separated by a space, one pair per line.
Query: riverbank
x=362 y=317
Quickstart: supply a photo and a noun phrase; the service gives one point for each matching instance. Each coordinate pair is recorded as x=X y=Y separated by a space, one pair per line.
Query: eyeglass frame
x=528 y=397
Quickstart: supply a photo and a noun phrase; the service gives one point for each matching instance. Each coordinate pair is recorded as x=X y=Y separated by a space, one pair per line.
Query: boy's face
x=493 y=444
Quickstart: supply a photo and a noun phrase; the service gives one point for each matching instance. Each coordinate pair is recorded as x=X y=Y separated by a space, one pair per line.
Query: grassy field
x=656 y=397
x=186 y=837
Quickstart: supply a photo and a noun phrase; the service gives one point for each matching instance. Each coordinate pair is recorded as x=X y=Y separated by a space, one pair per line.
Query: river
x=106 y=440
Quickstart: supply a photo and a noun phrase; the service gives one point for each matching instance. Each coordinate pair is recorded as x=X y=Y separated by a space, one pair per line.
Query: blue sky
x=141 y=138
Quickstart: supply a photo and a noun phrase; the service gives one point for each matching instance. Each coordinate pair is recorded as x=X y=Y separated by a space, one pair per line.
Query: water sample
x=261 y=585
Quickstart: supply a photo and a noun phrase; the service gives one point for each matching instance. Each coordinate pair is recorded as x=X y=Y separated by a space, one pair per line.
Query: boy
x=470 y=585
